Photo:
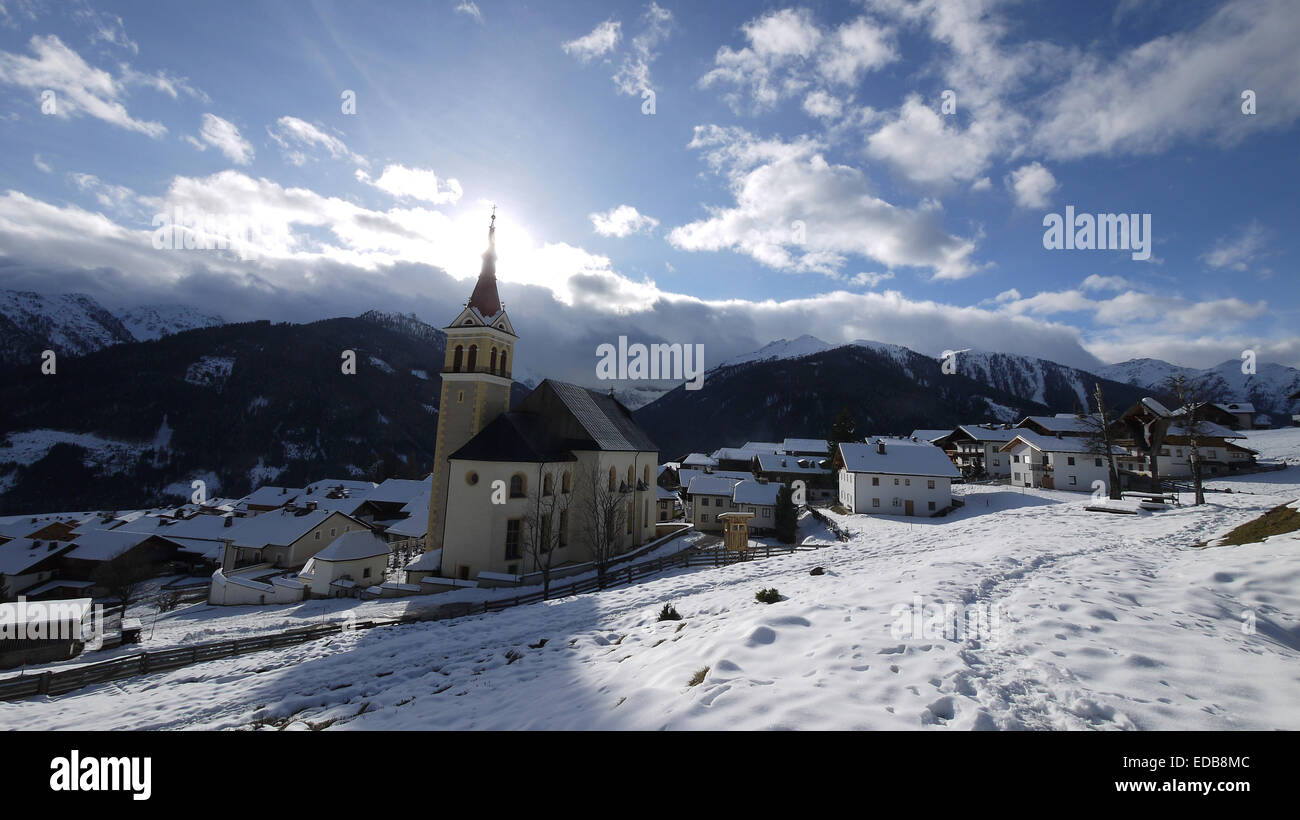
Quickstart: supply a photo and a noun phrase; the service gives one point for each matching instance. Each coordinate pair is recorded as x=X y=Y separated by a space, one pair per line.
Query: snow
x=210 y=371
x=781 y=349
x=901 y=456
x=1097 y=622
x=381 y=364
x=352 y=546
x=148 y=322
x=110 y=455
x=420 y=374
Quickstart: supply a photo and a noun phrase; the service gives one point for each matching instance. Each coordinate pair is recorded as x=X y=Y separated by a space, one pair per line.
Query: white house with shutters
x=1056 y=463
x=894 y=476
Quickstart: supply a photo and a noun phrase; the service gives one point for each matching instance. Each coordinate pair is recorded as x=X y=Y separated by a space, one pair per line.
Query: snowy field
x=1092 y=621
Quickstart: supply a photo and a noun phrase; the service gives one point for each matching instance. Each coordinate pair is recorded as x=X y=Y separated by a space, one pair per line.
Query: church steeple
x=485 y=298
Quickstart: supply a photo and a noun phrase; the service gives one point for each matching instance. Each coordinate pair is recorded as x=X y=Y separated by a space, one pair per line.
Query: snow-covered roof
x=754 y=492
x=105 y=545
x=275 y=528
x=31 y=612
x=762 y=446
x=686 y=476
x=57 y=583
x=271 y=496
x=428 y=562
x=699 y=460
x=712 y=485
x=353 y=486
x=354 y=546
x=929 y=435
x=979 y=433
x=1205 y=429
x=1052 y=444
x=1237 y=407
x=734 y=454
x=902 y=456
x=20 y=554
x=792 y=464
x=806 y=445
x=400 y=490
x=1064 y=423
x=665 y=495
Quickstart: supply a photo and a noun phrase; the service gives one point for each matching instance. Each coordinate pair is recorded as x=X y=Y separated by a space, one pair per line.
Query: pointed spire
x=485 y=299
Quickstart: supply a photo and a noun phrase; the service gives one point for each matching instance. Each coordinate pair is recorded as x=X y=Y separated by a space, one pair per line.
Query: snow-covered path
x=1107 y=621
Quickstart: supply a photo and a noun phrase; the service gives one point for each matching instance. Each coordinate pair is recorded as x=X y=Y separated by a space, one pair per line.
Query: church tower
x=475 y=379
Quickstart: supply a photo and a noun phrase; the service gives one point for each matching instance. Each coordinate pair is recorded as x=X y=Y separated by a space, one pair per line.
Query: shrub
x=699 y=676
x=669 y=613
x=767 y=596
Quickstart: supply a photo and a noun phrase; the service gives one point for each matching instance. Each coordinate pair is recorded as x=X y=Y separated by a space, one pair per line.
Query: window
x=564 y=528
x=365 y=573
x=1072 y=480
x=630 y=476
x=503 y=363
x=316 y=535
x=512 y=569
x=875 y=481
x=544 y=538
x=1164 y=451
x=907 y=481
x=613 y=479
x=997 y=462
x=1016 y=476
x=897 y=501
x=460 y=396
x=1212 y=454
x=492 y=366
x=931 y=505
x=1096 y=462
x=645 y=510
x=767 y=512
x=458 y=359
x=704 y=502
x=875 y=502
x=517 y=485
x=564 y=482
x=548 y=485
x=332 y=531
x=630 y=513
x=473 y=357
x=512 y=538
x=1179 y=452
x=1069 y=460
x=471 y=478
x=645 y=475
x=895 y=482
x=929 y=483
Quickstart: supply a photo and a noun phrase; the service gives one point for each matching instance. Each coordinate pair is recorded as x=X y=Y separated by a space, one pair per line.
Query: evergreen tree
x=844 y=428
x=786 y=516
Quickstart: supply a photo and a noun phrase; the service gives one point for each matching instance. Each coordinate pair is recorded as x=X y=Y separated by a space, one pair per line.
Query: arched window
x=646 y=474
x=473 y=358
x=629 y=518
x=564 y=527
x=548 y=485
x=613 y=479
x=517 y=485
x=645 y=510
x=492 y=367
x=564 y=482
x=503 y=363
x=459 y=359
x=630 y=476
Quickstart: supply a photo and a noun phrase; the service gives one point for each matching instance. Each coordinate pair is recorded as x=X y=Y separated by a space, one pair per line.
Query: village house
x=28 y=562
x=666 y=505
x=815 y=447
x=1063 y=424
x=713 y=495
x=353 y=561
x=976 y=449
x=894 y=476
x=568 y=467
x=814 y=471
x=1056 y=462
x=284 y=539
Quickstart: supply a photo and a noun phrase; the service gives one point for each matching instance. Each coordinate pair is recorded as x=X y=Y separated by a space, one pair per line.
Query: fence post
x=144 y=663
x=43 y=685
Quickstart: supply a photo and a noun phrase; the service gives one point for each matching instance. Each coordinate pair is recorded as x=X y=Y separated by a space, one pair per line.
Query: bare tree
x=603 y=513
x=1191 y=395
x=1100 y=436
x=123 y=577
x=546 y=527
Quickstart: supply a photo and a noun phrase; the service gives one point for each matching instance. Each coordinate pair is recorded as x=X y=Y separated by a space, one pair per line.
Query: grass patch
x=839 y=509
x=669 y=613
x=1274 y=522
x=767 y=596
x=698 y=677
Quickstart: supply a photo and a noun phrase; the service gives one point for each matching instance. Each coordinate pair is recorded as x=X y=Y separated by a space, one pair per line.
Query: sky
x=716 y=174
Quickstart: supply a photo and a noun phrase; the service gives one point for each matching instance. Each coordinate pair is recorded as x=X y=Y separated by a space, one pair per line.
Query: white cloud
x=624 y=220
x=824 y=105
x=296 y=137
x=927 y=148
x=225 y=137
x=41 y=164
x=789 y=54
x=601 y=40
x=470 y=8
x=113 y=197
x=78 y=88
x=1031 y=185
x=633 y=76
x=416 y=183
x=796 y=212
x=870 y=280
x=1095 y=282
x=1239 y=251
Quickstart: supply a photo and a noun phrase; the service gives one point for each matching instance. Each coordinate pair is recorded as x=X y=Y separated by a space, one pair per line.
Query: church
x=566 y=476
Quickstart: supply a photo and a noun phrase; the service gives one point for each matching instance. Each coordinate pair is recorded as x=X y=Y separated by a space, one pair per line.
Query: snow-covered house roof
x=353 y=546
x=901 y=456
x=352 y=486
x=686 y=476
x=756 y=492
x=812 y=446
x=929 y=435
x=105 y=545
x=277 y=527
x=733 y=454
x=980 y=433
x=1067 y=423
x=1205 y=429
x=762 y=446
x=792 y=464
x=400 y=490
x=427 y=562
x=712 y=485
x=21 y=554
x=1052 y=444
x=1237 y=407
x=271 y=496
x=665 y=495
x=699 y=460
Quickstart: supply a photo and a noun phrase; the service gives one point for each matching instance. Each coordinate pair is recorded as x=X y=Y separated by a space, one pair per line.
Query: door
x=907 y=507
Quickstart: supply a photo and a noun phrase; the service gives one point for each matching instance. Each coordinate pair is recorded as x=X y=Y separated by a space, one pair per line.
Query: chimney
x=880 y=447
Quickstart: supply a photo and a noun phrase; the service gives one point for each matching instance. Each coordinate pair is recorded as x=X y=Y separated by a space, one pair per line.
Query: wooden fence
x=62 y=681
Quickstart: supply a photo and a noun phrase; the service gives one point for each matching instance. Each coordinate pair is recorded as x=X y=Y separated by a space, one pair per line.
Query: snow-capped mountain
x=1269 y=388
x=148 y=322
x=73 y=324
x=781 y=349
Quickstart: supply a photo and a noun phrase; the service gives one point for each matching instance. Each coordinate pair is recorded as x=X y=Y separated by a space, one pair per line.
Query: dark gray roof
x=607 y=423
x=514 y=436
